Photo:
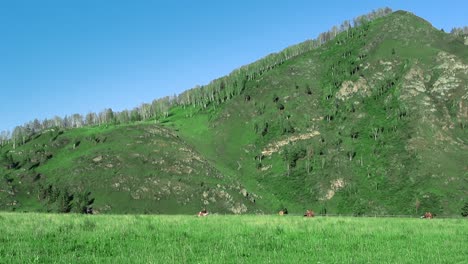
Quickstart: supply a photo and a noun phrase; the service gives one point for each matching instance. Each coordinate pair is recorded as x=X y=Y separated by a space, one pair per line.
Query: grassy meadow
x=52 y=238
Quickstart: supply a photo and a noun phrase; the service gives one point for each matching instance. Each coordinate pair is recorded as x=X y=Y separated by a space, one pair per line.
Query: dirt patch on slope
x=276 y=146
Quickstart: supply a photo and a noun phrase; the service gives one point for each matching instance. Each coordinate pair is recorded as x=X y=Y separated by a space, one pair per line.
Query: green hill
x=371 y=122
x=125 y=169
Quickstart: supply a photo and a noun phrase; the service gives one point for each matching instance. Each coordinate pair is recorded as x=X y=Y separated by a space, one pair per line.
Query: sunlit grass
x=49 y=238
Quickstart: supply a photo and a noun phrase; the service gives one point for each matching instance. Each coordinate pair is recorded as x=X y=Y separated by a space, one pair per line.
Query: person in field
x=309 y=213
x=283 y=212
x=203 y=212
x=428 y=215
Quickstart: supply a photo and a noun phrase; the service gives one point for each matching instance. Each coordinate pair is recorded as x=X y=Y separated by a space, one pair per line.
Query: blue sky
x=64 y=57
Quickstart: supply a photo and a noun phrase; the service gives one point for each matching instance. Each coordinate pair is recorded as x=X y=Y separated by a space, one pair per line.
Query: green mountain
x=371 y=122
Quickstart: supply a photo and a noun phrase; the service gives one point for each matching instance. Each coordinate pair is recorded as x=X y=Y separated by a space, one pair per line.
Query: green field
x=51 y=238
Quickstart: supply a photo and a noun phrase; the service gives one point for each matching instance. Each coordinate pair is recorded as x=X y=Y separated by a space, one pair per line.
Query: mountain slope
x=373 y=122
x=351 y=120
x=125 y=169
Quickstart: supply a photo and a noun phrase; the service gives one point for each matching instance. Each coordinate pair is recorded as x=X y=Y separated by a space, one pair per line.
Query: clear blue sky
x=64 y=57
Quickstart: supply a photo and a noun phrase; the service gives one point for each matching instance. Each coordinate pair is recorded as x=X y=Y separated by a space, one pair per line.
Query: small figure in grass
x=203 y=212
x=283 y=212
x=428 y=215
x=309 y=213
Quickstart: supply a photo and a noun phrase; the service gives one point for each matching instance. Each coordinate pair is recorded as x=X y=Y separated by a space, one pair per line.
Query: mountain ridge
x=352 y=126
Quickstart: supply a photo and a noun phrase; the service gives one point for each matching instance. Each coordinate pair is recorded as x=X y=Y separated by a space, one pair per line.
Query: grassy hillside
x=48 y=238
x=125 y=169
x=373 y=122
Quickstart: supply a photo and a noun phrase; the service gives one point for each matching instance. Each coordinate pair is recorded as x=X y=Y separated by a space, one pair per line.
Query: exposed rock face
x=452 y=70
x=349 y=88
x=97 y=159
x=239 y=208
x=276 y=146
x=334 y=187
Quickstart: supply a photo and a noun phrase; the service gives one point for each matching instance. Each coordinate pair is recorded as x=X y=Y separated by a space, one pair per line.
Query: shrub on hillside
x=464 y=210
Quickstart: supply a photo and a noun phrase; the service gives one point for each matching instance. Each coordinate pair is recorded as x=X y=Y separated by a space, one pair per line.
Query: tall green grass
x=49 y=238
